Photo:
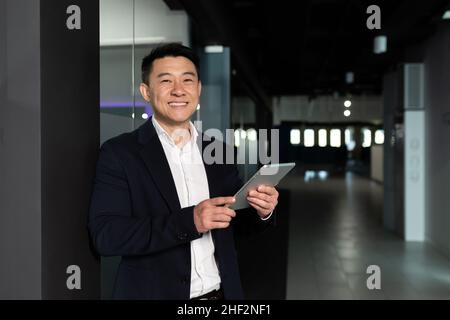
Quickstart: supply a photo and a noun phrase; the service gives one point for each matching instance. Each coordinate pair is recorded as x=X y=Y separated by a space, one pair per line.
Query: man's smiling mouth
x=178 y=104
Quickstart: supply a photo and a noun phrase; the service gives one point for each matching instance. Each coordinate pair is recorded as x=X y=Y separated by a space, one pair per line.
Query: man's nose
x=177 y=89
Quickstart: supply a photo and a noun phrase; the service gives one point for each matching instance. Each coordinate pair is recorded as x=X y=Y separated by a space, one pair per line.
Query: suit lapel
x=155 y=159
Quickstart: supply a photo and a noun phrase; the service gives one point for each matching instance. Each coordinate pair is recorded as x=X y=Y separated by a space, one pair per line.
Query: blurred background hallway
x=336 y=232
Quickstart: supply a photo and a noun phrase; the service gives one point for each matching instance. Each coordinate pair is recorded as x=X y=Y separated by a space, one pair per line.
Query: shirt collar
x=163 y=133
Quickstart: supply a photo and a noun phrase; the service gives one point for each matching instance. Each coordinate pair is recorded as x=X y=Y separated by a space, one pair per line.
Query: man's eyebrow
x=163 y=74
x=189 y=73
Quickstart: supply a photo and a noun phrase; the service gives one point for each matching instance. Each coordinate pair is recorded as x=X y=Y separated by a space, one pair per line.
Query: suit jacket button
x=182 y=236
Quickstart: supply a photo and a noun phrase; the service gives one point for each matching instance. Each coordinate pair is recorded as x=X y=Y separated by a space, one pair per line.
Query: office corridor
x=336 y=232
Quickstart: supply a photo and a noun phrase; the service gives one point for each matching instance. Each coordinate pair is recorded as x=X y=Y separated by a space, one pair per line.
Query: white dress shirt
x=189 y=175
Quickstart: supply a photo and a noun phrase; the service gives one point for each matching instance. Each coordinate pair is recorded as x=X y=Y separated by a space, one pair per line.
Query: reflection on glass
x=323 y=175
x=350 y=138
x=311 y=175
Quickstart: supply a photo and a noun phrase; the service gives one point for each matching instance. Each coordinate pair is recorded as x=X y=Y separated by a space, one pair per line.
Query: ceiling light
x=214 y=49
x=144 y=116
x=347 y=113
x=347 y=103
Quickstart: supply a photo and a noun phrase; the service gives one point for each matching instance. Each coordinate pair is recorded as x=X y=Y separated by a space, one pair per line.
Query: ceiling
x=306 y=47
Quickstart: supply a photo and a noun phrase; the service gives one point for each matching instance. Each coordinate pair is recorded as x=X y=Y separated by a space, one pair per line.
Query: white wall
x=414 y=175
x=326 y=109
x=155 y=22
x=437 y=106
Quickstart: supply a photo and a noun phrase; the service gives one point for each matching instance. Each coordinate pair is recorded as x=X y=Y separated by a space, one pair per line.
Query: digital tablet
x=269 y=174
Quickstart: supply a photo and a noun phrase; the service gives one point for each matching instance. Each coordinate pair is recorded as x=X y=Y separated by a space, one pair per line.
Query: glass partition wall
x=129 y=29
x=122 y=108
x=117 y=91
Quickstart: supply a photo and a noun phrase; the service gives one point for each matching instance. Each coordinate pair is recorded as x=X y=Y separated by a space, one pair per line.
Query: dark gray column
x=69 y=142
x=49 y=135
x=393 y=153
x=437 y=104
x=390 y=92
x=20 y=188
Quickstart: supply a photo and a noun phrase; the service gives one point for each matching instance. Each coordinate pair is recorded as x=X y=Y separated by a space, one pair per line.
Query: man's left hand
x=264 y=199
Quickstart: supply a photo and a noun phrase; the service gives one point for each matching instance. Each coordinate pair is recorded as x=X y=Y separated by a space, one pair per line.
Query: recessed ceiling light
x=347 y=113
x=347 y=103
x=214 y=49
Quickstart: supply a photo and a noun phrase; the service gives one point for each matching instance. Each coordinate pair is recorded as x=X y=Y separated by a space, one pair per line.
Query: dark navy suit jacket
x=135 y=213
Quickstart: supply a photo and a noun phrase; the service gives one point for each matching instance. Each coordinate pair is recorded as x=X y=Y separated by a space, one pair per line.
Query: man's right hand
x=212 y=214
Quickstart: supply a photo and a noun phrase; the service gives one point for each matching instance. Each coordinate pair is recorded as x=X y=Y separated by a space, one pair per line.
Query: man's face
x=173 y=90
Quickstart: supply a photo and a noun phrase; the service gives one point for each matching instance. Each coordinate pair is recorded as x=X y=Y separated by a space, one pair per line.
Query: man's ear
x=143 y=88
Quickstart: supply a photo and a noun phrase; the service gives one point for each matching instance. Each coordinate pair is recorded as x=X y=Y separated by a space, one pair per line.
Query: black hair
x=168 y=50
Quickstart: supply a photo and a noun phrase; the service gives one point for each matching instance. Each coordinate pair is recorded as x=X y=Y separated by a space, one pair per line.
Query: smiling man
x=159 y=206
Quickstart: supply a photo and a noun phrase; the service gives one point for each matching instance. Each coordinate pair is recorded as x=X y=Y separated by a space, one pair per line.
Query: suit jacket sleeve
x=112 y=226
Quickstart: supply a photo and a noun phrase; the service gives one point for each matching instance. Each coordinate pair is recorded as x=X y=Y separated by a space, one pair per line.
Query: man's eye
x=188 y=80
x=165 y=81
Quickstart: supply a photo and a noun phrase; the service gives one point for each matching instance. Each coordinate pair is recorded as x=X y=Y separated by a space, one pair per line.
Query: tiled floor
x=336 y=233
